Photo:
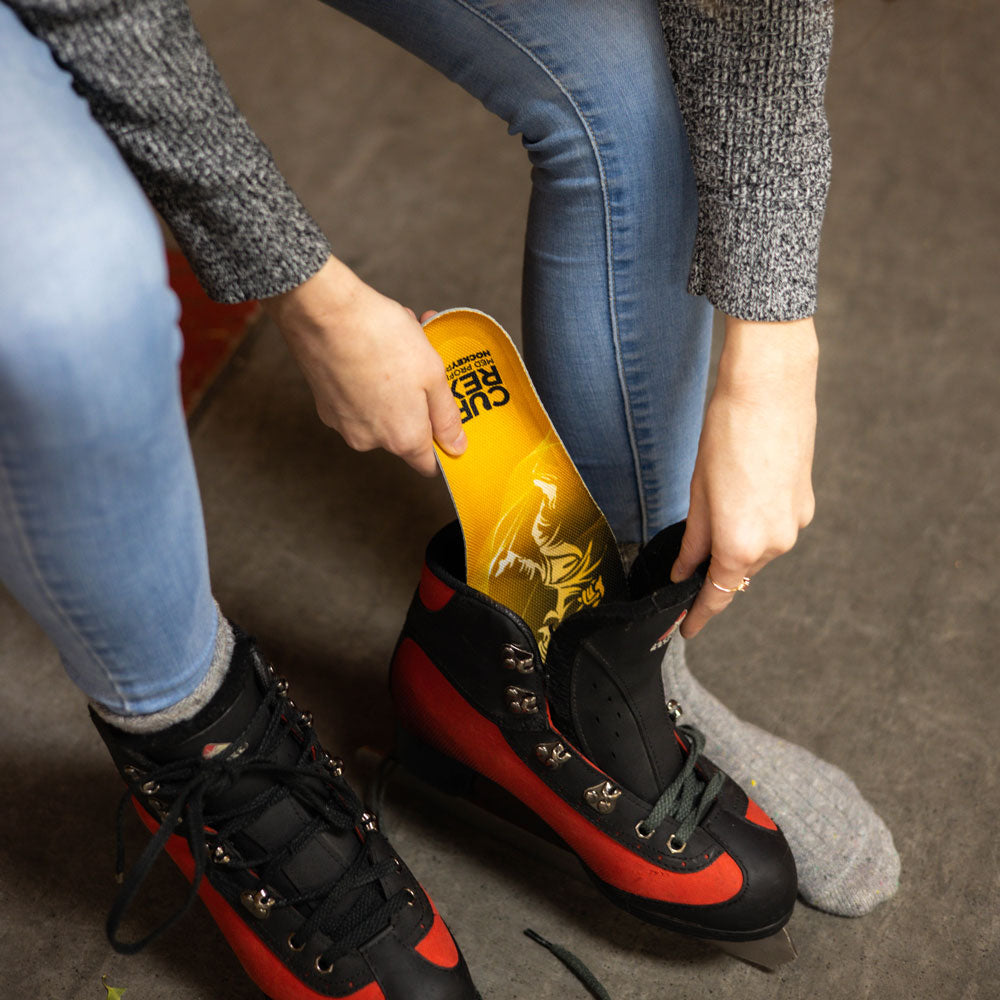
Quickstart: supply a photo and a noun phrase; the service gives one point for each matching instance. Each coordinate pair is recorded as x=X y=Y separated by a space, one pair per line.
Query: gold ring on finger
x=743 y=585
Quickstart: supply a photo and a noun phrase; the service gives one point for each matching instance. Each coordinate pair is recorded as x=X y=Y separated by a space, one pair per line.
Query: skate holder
x=391 y=789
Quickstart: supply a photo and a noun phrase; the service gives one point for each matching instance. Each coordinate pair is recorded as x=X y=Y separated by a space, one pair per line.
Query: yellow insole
x=535 y=540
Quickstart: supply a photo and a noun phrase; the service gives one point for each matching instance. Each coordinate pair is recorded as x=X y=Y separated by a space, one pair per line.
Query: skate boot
x=308 y=893
x=584 y=739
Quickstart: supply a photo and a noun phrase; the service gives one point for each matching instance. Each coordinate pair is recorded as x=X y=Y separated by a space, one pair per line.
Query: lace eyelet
x=292 y=945
x=411 y=897
x=259 y=903
x=515 y=658
x=678 y=849
x=640 y=834
x=323 y=968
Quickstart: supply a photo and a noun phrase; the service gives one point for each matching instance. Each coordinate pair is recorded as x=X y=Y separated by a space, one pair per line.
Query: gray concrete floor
x=874 y=643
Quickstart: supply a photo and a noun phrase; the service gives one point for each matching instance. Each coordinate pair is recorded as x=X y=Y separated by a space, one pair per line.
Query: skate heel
x=431 y=765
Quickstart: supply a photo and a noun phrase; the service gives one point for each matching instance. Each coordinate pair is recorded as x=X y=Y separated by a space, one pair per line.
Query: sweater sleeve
x=153 y=87
x=750 y=78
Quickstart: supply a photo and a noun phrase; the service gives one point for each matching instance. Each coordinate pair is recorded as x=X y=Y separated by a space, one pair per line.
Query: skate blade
x=535 y=540
x=768 y=953
x=389 y=788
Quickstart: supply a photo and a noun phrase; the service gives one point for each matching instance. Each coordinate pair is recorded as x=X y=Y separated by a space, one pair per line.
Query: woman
x=118 y=576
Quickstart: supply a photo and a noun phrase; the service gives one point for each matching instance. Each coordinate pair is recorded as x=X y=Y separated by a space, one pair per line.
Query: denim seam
x=8 y=495
x=609 y=245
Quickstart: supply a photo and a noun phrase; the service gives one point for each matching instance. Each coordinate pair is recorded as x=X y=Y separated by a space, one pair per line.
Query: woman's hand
x=751 y=491
x=373 y=373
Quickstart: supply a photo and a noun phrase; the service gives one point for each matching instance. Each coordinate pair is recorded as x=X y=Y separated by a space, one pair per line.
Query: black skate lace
x=575 y=965
x=186 y=784
x=688 y=797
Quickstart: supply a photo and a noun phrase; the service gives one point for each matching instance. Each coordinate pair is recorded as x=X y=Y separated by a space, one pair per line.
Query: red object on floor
x=212 y=332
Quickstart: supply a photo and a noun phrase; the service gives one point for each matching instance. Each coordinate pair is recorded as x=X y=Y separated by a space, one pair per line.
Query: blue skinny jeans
x=101 y=532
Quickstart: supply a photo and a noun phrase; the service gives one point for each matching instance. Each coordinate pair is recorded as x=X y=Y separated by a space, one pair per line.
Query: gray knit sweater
x=750 y=76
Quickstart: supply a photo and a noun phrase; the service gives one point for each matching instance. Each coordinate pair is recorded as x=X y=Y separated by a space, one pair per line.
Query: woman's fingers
x=696 y=545
x=716 y=595
x=374 y=375
x=751 y=491
x=446 y=422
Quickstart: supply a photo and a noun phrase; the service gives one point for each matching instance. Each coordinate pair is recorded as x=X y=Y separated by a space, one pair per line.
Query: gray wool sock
x=844 y=853
x=189 y=706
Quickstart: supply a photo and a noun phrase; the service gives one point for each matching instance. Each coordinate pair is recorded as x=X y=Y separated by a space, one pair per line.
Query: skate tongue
x=224 y=720
x=622 y=716
x=605 y=680
x=230 y=725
